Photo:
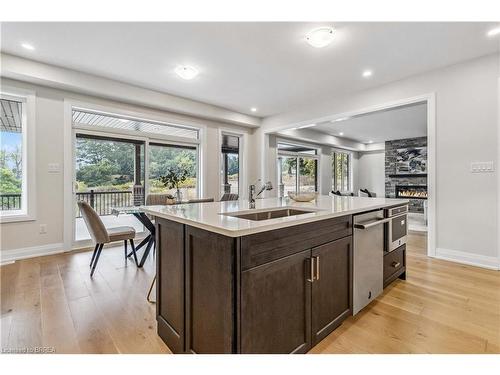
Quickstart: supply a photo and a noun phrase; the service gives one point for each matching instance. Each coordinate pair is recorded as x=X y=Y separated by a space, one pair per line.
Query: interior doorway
x=391 y=150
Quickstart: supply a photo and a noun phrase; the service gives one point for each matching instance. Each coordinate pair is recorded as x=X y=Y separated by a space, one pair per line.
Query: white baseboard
x=10 y=256
x=477 y=260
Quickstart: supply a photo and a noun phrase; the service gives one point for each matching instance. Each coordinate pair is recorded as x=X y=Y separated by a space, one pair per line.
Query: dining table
x=149 y=241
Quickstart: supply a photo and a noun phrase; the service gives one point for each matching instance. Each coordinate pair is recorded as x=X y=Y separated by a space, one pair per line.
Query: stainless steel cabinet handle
x=317 y=267
x=396 y=264
x=311 y=270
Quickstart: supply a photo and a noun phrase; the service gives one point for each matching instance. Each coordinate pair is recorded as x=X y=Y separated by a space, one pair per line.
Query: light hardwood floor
x=51 y=302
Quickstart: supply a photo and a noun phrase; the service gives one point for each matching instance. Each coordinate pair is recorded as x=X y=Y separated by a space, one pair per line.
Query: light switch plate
x=54 y=168
x=482 y=167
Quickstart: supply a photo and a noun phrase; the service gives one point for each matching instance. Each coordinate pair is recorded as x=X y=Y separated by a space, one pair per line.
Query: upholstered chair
x=102 y=235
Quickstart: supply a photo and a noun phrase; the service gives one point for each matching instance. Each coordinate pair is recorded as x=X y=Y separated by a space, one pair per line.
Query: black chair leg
x=93 y=255
x=125 y=244
x=96 y=259
x=133 y=251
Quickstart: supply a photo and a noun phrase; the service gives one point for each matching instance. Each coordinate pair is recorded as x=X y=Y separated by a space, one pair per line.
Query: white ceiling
x=398 y=123
x=244 y=65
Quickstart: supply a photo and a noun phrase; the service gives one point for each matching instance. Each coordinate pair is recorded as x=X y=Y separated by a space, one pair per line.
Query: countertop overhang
x=210 y=216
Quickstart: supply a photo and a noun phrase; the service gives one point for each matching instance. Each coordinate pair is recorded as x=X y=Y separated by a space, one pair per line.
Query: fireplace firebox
x=411 y=191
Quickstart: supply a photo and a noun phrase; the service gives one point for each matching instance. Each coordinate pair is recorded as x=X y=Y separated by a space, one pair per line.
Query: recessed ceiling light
x=370 y=141
x=186 y=71
x=253 y=109
x=320 y=37
x=306 y=126
x=367 y=73
x=494 y=31
x=27 y=46
x=340 y=119
x=341 y=133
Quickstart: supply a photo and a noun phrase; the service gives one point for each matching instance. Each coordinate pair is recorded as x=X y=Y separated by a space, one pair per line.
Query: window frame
x=240 y=137
x=297 y=156
x=349 y=169
x=242 y=160
x=28 y=184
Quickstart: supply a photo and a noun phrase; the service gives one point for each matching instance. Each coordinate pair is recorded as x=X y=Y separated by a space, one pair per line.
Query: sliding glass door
x=287 y=169
x=166 y=157
x=297 y=168
x=109 y=172
x=119 y=160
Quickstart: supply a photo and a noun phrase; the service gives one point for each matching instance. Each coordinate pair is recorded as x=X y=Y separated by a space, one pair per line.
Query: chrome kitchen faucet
x=251 y=192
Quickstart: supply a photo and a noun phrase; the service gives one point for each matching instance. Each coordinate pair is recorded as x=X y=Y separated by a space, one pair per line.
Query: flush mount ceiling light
x=306 y=126
x=186 y=72
x=494 y=32
x=253 y=109
x=367 y=73
x=320 y=37
x=28 y=46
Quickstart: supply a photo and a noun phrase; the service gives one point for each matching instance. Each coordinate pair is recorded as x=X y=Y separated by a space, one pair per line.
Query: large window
x=297 y=168
x=341 y=171
x=15 y=191
x=230 y=168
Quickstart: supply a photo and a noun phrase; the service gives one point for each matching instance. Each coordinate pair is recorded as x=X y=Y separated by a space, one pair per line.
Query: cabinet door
x=170 y=283
x=276 y=306
x=331 y=289
x=210 y=292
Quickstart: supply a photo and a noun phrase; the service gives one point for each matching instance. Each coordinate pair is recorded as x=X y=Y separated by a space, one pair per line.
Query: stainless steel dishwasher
x=368 y=264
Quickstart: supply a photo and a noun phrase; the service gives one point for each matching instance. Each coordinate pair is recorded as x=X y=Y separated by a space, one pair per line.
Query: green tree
x=98 y=174
x=9 y=183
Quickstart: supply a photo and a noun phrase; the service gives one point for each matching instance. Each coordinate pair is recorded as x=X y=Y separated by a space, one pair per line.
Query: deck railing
x=103 y=201
x=10 y=201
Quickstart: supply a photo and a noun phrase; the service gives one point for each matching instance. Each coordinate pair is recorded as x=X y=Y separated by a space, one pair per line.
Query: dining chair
x=366 y=193
x=340 y=194
x=102 y=235
x=156 y=199
x=229 y=197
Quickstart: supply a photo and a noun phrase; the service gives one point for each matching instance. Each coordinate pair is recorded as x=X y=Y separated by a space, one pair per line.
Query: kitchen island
x=274 y=279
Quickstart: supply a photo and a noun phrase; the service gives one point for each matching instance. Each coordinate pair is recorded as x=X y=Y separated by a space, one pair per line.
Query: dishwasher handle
x=373 y=223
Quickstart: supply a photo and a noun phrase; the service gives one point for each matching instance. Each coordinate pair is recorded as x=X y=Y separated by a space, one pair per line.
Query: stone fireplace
x=412 y=186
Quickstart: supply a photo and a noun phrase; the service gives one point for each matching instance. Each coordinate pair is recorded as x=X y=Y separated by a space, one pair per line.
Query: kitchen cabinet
x=291 y=304
x=278 y=291
x=331 y=288
x=276 y=306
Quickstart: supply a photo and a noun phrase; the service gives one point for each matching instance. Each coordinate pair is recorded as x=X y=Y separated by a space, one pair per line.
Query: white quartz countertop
x=210 y=216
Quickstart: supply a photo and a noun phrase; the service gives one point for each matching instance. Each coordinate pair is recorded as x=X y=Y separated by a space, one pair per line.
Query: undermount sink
x=267 y=215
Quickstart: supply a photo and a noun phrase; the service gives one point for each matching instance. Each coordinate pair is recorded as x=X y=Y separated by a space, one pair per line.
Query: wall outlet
x=43 y=228
x=54 y=167
x=482 y=167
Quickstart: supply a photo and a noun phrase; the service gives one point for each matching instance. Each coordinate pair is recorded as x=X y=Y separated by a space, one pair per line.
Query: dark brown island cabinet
x=279 y=291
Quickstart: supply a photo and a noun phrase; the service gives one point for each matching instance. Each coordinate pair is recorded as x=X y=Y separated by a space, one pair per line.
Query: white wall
x=370 y=172
x=466 y=131
x=19 y=238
